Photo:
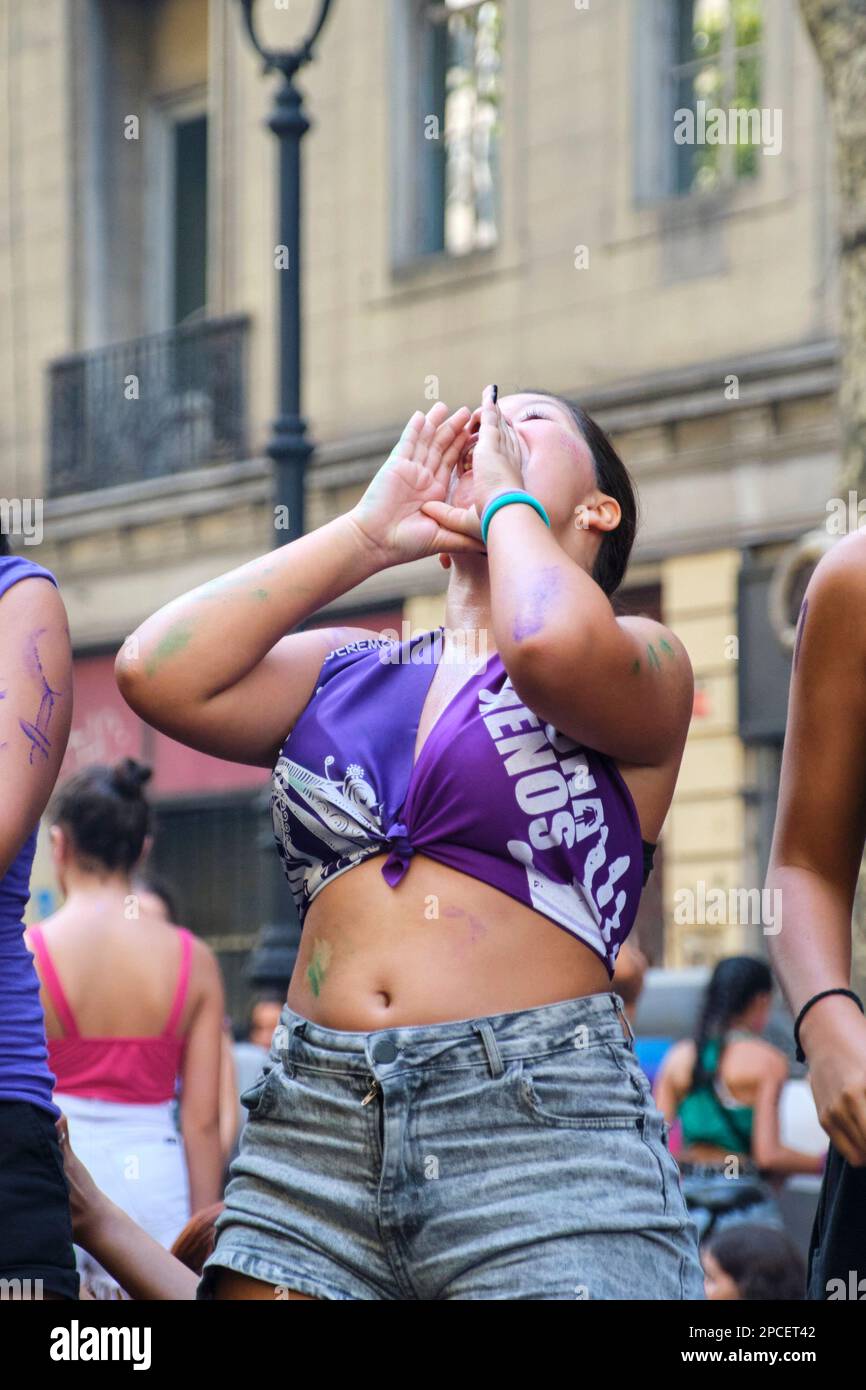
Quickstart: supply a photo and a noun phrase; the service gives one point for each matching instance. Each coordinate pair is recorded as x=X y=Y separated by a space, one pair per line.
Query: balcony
x=150 y=408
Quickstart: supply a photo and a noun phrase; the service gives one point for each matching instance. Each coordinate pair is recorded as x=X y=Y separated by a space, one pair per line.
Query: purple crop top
x=494 y=793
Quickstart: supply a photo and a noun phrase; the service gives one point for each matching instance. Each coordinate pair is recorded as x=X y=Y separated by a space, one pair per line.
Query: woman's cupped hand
x=496 y=466
x=417 y=472
x=405 y=511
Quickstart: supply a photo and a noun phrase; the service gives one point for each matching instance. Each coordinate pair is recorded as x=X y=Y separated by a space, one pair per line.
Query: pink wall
x=105 y=729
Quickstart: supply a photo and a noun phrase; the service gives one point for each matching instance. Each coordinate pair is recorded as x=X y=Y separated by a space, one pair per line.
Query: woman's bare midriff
x=440 y=946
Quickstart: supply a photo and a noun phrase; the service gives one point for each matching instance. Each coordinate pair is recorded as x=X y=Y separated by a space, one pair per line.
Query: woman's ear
x=603 y=513
x=57 y=840
x=609 y=513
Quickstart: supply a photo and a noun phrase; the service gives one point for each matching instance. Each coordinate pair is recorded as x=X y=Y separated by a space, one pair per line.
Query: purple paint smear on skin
x=533 y=609
x=37 y=732
x=477 y=926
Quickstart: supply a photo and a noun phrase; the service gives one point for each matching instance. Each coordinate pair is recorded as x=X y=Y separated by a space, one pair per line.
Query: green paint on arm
x=635 y=667
x=653 y=657
x=173 y=642
x=667 y=648
x=225 y=587
x=318 y=967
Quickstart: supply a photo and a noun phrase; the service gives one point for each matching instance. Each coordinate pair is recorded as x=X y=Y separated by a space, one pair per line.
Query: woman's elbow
x=202 y=1128
x=136 y=686
x=127 y=669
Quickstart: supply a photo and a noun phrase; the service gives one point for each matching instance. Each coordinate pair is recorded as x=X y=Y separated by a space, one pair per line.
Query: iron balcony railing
x=149 y=408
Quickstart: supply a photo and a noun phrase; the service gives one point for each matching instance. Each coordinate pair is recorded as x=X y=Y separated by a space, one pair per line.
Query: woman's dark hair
x=614 y=479
x=734 y=983
x=763 y=1262
x=105 y=814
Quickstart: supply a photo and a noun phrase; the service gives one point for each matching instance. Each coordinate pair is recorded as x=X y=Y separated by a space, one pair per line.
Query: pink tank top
x=136 y=1071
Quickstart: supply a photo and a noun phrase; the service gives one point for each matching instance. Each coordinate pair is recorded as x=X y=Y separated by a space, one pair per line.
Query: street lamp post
x=289 y=447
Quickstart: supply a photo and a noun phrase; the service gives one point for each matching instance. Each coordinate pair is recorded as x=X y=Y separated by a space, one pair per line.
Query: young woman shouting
x=452 y=1107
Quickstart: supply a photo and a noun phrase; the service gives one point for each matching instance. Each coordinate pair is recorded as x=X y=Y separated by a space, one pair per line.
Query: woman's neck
x=103 y=887
x=467 y=604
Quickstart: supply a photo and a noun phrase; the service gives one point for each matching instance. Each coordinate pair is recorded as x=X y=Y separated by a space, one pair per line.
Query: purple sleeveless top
x=495 y=793
x=24 y=1071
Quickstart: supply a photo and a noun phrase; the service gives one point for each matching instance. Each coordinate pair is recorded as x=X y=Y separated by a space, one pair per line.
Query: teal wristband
x=502 y=501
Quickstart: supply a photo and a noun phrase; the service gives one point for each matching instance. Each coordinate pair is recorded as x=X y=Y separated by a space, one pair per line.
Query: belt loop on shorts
x=296 y=1026
x=494 y=1057
x=620 y=1008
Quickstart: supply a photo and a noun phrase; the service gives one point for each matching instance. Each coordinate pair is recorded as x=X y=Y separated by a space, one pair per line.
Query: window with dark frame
x=189 y=230
x=459 y=95
x=717 y=60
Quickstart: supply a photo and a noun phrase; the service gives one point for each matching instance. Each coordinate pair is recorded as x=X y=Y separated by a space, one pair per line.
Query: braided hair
x=734 y=983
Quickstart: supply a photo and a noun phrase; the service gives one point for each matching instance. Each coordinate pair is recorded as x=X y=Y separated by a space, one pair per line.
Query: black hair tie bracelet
x=849 y=993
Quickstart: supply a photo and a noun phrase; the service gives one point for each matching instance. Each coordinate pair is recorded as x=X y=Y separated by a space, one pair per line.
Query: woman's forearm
x=205 y=1165
x=811 y=950
x=540 y=592
x=208 y=639
x=141 y=1266
x=784 y=1162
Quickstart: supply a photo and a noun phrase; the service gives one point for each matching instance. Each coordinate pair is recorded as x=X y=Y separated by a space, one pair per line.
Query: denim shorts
x=516 y=1156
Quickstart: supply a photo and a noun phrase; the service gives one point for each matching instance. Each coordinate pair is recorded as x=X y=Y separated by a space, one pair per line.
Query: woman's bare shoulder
x=679 y=1060
x=759 y=1053
x=840 y=575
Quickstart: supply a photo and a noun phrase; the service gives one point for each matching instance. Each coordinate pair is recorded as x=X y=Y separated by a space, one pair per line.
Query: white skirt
x=135 y=1154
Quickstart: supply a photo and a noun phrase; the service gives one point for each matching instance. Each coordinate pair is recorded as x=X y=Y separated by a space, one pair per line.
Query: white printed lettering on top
x=551 y=771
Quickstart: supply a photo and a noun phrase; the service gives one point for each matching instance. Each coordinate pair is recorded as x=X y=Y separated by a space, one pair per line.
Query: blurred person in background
x=35 y=715
x=251 y=1051
x=131 y=1003
x=752 y=1262
x=157 y=900
x=814 y=863
x=628 y=981
x=138 y=1266
x=155 y=896
x=406 y=778
x=264 y=1017
x=724 y=1085
x=628 y=977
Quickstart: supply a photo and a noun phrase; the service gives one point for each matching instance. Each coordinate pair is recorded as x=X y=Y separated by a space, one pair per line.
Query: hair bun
x=128 y=777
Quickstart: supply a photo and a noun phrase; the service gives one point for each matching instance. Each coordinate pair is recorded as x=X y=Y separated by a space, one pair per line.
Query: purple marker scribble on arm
x=37 y=732
x=533 y=609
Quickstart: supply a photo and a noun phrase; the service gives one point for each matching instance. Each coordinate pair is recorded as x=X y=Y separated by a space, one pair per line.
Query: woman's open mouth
x=465 y=463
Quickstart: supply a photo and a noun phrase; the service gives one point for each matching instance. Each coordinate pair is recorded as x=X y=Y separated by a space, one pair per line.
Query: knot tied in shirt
x=397 y=862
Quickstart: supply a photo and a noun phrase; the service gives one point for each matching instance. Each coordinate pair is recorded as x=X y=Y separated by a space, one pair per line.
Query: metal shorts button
x=384 y=1050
